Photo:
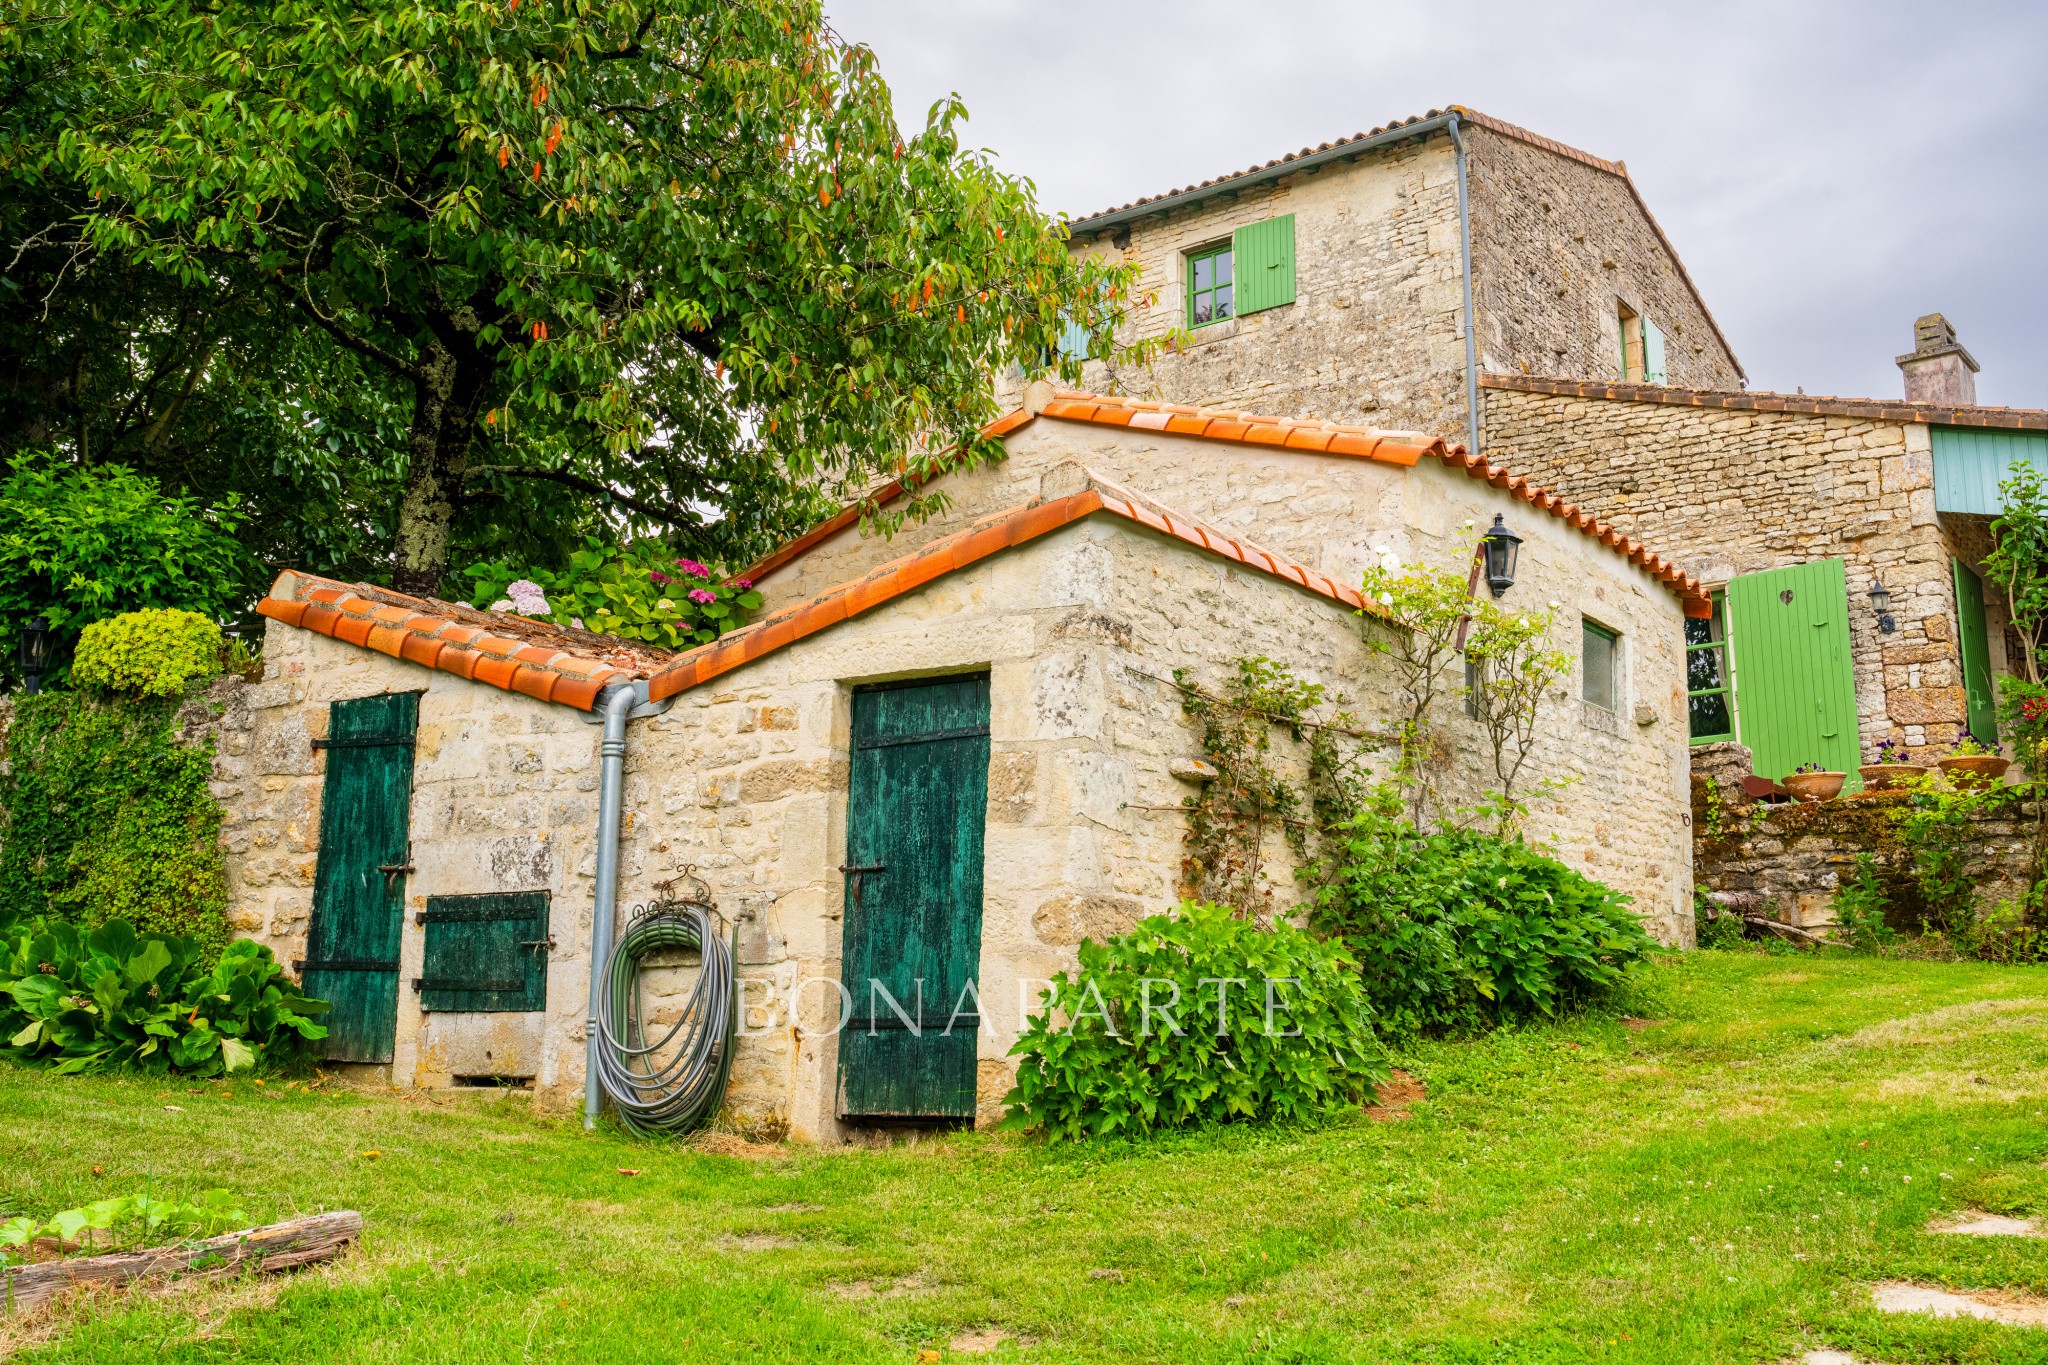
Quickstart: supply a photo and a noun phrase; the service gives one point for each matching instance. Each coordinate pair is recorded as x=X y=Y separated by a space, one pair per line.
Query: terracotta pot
x=1814 y=786
x=1973 y=770
x=1882 y=777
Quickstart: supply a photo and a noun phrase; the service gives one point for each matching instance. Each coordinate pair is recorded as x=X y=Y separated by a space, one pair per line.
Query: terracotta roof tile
x=987 y=536
x=536 y=658
x=1872 y=409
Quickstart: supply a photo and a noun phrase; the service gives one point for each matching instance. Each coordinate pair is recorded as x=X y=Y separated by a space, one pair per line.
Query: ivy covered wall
x=105 y=813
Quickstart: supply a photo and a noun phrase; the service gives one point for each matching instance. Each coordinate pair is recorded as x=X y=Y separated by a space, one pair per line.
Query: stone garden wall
x=1785 y=861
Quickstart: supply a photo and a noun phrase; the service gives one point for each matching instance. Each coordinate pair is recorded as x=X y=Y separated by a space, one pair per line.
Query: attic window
x=1211 y=290
x=1642 y=347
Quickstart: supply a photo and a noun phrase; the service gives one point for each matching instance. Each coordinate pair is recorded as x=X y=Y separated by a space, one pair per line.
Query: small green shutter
x=1653 y=354
x=1263 y=259
x=485 y=953
x=1976 y=648
x=1795 y=683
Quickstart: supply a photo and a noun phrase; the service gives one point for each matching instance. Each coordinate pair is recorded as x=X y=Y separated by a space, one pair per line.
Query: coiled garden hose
x=675 y=1083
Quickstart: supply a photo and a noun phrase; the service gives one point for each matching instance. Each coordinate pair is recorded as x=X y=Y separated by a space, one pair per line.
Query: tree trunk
x=448 y=392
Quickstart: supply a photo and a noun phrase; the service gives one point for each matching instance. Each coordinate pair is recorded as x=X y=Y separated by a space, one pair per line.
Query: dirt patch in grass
x=732 y=1144
x=1950 y=1024
x=1391 y=1100
x=881 y=1289
x=980 y=1341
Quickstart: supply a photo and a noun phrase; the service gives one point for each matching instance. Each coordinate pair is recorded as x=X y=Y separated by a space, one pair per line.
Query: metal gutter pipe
x=1465 y=265
x=617 y=704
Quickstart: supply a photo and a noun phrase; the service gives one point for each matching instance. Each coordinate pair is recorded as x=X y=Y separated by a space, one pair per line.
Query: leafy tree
x=675 y=259
x=82 y=545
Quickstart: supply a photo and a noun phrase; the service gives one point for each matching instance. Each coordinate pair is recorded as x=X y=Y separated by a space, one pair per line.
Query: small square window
x=1210 y=289
x=1600 y=666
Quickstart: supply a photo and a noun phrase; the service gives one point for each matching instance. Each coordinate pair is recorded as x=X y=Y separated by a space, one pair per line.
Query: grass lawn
x=1719 y=1187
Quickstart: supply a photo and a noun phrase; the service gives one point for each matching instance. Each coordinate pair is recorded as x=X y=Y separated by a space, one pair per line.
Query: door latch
x=857 y=871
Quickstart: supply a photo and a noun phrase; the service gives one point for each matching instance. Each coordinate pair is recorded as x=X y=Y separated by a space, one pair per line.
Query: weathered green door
x=1976 y=648
x=912 y=937
x=359 y=879
x=1795 y=684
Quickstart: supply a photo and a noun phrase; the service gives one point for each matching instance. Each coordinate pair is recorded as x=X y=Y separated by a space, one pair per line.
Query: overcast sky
x=1828 y=169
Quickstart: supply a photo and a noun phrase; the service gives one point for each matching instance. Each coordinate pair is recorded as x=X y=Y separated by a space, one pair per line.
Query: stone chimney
x=1939 y=370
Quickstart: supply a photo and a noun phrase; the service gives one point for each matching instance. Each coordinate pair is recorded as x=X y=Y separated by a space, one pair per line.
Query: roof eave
x=1265 y=175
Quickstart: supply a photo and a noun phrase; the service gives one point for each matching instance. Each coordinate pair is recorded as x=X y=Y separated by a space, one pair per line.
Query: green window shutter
x=1970 y=463
x=1264 y=263
x=911 y=937
x=1976 y=650
x=358 y=907
x=1795 y=682
x=485 y=954
x=1653 y=354
x=1073 y=340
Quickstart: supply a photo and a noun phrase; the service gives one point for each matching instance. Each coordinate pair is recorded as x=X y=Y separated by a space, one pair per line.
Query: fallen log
x=278 y=1246
x=1803 y=937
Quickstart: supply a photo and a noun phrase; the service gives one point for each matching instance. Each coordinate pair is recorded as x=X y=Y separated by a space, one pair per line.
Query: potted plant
x=1811 y=782
x=1970 y=764
x=1890 y=769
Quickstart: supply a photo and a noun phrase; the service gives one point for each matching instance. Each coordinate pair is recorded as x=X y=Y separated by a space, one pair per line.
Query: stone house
x=412 y=792
x=1873 y=515
x=1373 y=278
x=1453 y=271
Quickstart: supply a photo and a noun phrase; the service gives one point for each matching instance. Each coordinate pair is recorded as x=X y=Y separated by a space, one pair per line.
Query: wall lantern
x=1881 y=603
x=35 y=649
x=1503 y=547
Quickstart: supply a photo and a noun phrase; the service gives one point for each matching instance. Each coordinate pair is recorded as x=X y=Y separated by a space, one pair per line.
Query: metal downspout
x=617 y=703
x=1465 y=263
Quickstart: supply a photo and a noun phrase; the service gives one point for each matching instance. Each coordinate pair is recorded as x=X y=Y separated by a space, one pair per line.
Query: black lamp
x=1881 y=603
x=1502 y=547
x=35 y=650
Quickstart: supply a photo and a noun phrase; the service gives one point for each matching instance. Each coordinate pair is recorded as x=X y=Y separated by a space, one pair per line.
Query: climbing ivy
x=105 y=814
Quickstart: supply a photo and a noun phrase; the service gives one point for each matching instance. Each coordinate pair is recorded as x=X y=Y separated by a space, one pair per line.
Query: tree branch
x=681 y=520
x=396 y=364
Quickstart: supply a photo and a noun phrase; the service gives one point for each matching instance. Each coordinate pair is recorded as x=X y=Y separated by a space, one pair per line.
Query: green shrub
x=81 y=545
x=1458 y=929
x=1243 y=1024
x=88 y=1001
x=158 y=651
x=1859 y=906
x=126 y=1220
x=105 y=814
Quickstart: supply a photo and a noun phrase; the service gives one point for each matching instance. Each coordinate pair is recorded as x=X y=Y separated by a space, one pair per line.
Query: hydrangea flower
x=658 y=577
x=700 y=595
x=502 y=604
x=523 y=587
x=743 y=583
x=663 y=604
x=693 y=568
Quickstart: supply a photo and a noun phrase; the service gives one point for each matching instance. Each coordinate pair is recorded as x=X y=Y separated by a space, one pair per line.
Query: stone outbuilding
x=948 y=755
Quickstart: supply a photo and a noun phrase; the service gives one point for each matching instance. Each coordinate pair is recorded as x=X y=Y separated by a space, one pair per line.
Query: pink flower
x=658 y=576
x=700 y=595
x=743 y=583
x=693 y=568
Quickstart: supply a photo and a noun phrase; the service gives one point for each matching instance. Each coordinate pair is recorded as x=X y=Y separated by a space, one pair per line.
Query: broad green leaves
x=85 y=1001
x=1194 y=1019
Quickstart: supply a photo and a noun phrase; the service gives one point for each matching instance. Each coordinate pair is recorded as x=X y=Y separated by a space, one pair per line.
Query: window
x=1642 y=347
x=1600 y=666
x=1707 y=695
x=1211 y=290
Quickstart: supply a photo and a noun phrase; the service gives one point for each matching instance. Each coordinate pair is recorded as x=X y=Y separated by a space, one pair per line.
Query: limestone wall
x=1376 y=331
x=1556 y=244
x=1731 y=492
x=1339 y=515
x=504 y=799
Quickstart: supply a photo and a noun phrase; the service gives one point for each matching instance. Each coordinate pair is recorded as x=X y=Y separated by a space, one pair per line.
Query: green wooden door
x=912 y=936
x=359 y=880
x=1795 y=684
x=1976 y=649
